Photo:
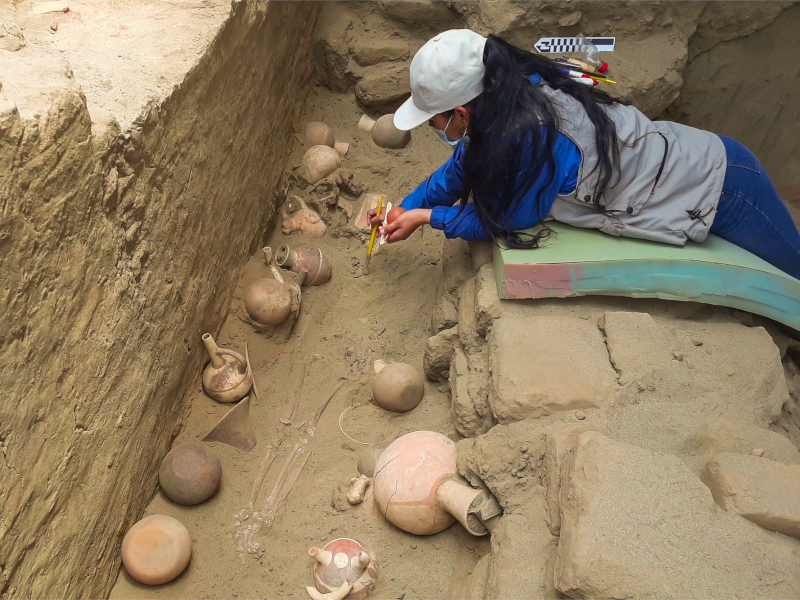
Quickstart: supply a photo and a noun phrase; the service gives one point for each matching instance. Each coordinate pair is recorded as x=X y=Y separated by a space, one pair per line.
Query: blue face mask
x=443 y=136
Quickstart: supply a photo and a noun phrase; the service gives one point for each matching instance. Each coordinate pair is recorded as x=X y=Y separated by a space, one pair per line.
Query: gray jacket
x=669 y=183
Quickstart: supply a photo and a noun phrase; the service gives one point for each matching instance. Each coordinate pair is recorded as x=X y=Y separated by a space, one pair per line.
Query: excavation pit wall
x=122 y=247
x=118 y=250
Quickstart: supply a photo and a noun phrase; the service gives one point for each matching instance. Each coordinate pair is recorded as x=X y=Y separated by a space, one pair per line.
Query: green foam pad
x=581 y=262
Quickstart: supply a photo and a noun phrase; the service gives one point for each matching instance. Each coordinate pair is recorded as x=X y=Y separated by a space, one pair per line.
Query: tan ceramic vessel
x=310 y=258
x=321 y=134
x=226 y=378
x=398 y=387
x=320 y=161
x=156 y=549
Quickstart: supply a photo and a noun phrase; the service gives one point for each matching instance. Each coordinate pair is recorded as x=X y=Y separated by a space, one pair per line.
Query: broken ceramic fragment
x=358 y=488
x=298 y=217
x=234 y=428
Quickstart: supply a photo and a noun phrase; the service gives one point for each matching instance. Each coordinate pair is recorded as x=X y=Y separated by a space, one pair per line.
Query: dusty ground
x=349 y=322
x=123 y=53
x=345 y=325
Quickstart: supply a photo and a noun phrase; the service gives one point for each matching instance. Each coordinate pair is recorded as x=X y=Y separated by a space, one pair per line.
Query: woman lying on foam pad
x=531 y=143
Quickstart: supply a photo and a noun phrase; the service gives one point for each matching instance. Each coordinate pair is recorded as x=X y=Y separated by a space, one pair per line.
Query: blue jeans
x=752 y=215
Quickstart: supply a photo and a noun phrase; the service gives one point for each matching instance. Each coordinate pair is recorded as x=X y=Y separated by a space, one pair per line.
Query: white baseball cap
x=446 y=72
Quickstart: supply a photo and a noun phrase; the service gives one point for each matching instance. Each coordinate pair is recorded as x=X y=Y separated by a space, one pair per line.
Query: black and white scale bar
x=553 y=45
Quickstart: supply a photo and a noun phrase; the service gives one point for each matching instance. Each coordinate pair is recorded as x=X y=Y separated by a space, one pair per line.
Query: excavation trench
x=181 y=202
x=344 y=326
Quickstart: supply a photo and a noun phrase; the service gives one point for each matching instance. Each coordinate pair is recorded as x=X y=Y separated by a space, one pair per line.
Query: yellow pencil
x=600 y=78
x=372 y=238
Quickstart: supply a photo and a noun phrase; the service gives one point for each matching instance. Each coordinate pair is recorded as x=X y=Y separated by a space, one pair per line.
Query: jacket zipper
x=663 y=162
x=636 y=141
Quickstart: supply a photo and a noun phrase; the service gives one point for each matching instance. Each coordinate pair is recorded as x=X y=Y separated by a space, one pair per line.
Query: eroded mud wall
x=749 y=88
x=117 y=253
x=728 y=67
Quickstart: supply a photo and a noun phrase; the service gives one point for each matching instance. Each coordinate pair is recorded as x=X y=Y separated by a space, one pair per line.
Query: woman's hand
x=406 y=224
x=374 y=218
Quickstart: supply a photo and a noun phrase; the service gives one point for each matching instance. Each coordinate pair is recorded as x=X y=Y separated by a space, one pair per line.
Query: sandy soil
x=344 y=326
x=122 y=53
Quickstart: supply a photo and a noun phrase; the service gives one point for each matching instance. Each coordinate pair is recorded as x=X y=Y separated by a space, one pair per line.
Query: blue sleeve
x=459 y=222
x=528 y=209
x=443 y=187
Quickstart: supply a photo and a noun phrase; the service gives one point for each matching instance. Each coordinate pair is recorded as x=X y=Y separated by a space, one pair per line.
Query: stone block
x=468 y=395
x=383 y=86
x=478 y=385
x=439 y=354
x=639 y=524
x=557 y=447
x=476 y=582
x=764 y=491
x=330 y=49
x=445 y=314
x=543 y=364
x=428 y=12
x=481 y=253
x=753 y=385
x=507 y=460
x=467 y=323
x=710 y=437
x=456 y=269
x=521 y=548
x=789 y=421
x=733 y=374
x=371 y=51
x=487 y=302
x=456 y=265
x=636 y=345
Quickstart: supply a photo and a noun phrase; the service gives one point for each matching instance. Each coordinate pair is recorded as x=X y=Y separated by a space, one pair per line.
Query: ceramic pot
x=156 y=549
x=398 y=387
x=310 y=258
x=384 y=133
x=320 y=134
x=226 y=378
x=268 y=301
x=320 y=161
x=416 y=487
x=190 y=473
x=344 y=562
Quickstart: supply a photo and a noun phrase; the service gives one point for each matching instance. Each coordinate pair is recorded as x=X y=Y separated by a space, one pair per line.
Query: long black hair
x=507 y=117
